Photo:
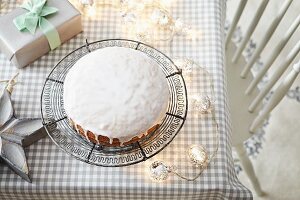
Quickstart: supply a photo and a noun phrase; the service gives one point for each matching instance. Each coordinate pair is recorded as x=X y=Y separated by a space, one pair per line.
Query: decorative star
x=16 y=133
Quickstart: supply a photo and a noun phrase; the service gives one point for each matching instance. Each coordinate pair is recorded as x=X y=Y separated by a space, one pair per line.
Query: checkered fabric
x=56 y=175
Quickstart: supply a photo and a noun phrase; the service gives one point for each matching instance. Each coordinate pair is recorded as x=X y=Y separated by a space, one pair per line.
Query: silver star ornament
x=15 y=134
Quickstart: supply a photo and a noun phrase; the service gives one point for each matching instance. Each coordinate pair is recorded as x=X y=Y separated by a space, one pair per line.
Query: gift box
x=22 y=47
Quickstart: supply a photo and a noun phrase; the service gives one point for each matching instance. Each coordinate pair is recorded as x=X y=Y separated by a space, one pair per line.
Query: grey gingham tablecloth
x=56 y=175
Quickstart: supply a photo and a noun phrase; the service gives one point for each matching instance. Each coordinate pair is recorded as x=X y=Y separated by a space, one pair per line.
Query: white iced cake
x=115 y=95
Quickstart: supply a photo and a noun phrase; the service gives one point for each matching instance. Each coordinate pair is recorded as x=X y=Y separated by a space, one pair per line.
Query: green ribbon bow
x=37 y=11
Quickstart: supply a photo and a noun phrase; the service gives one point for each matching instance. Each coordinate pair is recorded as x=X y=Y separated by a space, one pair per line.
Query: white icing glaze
x=116 y=92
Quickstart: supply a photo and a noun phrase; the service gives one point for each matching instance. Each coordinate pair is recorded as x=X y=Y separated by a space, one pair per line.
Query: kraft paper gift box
x=23 y=47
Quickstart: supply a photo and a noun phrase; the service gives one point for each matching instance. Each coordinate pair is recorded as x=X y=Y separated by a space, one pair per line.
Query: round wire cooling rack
x=60 y=131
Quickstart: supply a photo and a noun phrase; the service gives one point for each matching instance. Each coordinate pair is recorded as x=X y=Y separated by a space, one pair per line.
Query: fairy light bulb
x=129 y=17
x=198 y=155
x=201 y=103
x=143 y=31
x=192 y=34
x=178 y=25
x=155 y=16
x=186 y=65
x=159 y=171
x=160 y=17
x=164 y=20
x=91 y=11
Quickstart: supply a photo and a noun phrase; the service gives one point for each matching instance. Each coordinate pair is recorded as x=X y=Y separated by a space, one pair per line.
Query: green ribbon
x=37 y=11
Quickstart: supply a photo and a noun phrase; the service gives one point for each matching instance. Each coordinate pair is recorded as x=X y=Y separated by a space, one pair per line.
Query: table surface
x=56 y=175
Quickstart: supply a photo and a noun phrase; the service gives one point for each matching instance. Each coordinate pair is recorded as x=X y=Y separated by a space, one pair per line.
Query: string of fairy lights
x=148 y=21
x=201 y=104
